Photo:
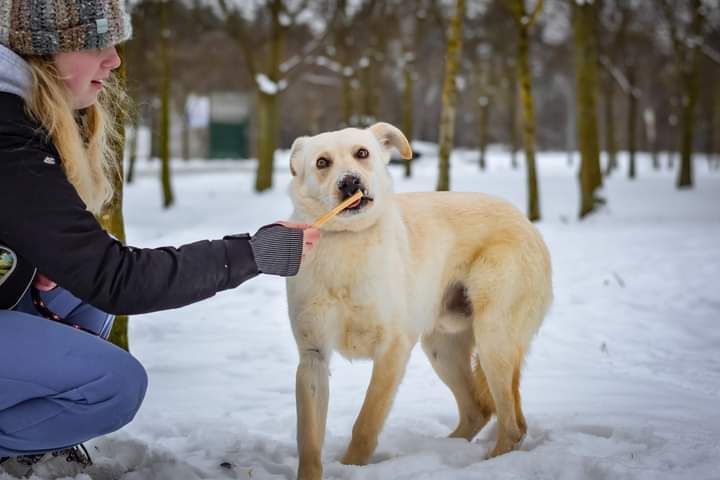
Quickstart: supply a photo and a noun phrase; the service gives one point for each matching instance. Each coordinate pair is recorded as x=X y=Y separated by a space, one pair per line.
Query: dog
x=465 y=273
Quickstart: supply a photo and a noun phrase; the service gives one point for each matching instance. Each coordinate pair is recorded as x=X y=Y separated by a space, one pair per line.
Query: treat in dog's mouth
x=360 y=203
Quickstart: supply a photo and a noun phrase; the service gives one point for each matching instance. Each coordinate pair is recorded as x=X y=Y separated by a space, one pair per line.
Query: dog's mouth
x=359 y=204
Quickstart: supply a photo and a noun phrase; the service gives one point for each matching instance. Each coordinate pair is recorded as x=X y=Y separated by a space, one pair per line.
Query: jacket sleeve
x=45 y=221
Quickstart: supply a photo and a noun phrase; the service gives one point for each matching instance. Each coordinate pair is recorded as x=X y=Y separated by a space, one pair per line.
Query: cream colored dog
x=465 y=272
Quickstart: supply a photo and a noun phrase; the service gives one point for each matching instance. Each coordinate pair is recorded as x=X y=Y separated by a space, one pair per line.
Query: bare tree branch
x=236 y=28
x=535 y=14
x=711 y=53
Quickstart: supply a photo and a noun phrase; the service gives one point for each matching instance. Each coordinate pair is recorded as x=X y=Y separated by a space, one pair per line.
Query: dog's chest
x=361 y=319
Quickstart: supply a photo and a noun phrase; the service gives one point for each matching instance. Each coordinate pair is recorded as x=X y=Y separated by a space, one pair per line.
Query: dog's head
x=332 y=166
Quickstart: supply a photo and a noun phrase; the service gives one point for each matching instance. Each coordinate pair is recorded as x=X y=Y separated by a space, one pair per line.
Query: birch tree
x=684 y=21
x=449 y=95
x=165 y=86
x=524 y=22
x=586 y=60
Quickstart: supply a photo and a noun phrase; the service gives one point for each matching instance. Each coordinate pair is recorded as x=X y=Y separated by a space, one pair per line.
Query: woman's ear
x=390 y=137
x=295 y=154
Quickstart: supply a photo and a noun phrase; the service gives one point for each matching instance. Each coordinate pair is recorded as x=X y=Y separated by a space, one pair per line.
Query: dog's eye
x=322 y=162
x=362 y=153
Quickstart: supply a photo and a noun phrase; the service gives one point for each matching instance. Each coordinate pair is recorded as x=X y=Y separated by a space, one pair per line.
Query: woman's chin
x=85 y=102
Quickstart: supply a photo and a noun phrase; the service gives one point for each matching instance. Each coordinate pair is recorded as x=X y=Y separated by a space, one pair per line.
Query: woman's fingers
x=42 y=283
x=301 y=226
x=310 y=236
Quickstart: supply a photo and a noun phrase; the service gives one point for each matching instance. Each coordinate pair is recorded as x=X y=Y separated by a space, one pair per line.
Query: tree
x=483 y=112
x=449 y=96
x=632 y=115
x=267 y=48
x=524 y=25
x=409 y=27
x=586 y=60
x=165 y=82
x=511 y=84
x=112 y=218
x=615 y=18
x=486 y=47
x=686 y=40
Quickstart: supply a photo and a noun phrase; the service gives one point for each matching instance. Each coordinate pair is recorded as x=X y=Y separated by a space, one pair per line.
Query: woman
x=60 y=386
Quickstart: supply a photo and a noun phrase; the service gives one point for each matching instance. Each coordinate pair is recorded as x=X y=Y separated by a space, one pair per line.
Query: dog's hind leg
x=451 y=356
x=388 y=370
x=501 y=359
x=311 y=390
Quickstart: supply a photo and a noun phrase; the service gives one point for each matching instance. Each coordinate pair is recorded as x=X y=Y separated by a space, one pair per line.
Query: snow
x=623 y=380
x=267 y=86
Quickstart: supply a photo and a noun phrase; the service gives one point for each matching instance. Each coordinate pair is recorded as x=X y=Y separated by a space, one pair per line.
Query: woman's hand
x=42 y=283
x=310 y=235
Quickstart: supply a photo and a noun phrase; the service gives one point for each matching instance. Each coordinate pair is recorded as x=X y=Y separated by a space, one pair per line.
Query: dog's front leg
x=311 y=390
x=388 y=370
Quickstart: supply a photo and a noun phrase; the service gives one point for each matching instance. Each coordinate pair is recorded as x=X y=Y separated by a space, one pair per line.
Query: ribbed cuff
x=278 y=249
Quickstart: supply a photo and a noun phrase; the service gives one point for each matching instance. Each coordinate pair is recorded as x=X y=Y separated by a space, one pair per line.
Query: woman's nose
x=112 y=59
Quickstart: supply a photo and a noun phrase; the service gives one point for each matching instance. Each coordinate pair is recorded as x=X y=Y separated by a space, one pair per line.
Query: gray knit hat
x=46 y=27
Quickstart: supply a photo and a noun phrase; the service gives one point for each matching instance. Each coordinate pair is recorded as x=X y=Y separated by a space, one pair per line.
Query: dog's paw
x=354 y=457
x=505 y=445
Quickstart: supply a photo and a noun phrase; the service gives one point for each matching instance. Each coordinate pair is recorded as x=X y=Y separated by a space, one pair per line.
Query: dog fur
x=465 y=273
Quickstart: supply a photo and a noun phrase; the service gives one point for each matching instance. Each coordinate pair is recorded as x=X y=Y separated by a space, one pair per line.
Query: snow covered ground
x=622 y=382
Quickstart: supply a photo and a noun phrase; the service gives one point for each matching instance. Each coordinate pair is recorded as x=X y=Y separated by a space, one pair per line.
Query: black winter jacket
x=44 y=220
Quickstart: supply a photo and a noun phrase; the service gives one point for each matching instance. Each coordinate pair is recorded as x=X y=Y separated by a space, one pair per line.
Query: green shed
x=229 y=126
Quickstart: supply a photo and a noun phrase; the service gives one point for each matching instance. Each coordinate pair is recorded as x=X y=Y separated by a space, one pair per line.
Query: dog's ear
x=390 y=136
x=295 y=153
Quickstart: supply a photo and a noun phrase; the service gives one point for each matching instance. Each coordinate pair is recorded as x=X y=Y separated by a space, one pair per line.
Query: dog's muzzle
x=348 y=185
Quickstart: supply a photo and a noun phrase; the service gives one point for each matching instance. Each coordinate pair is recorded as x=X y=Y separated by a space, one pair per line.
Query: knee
x=127 y=382
x=312 y=356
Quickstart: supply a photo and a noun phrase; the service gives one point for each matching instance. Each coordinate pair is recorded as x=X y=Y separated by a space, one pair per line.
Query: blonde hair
x=85 y=139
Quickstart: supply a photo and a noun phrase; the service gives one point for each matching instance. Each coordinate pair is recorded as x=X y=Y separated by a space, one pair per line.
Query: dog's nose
x=349 y=185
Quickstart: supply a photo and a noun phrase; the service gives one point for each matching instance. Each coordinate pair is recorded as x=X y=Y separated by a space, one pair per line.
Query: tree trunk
x=185 y=136
x=528 y=112
x=371 y=74
x=715 y=131
x=586 y=77
x=346 y=72
x=687 y=120
x=132 y=155
x=710 y=127
x=168 y=197
x=449 y=96
x=651 y=129
x=408 y=113
x=112 y=218
x=687 y=60
x=610 y=144
x=632 y=122
x=346 y=99
x=267 y=139
x=268 y=105
x=512 y=127
x=483 y=120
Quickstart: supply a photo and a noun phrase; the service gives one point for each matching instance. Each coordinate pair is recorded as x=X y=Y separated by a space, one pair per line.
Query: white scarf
x=15 y=76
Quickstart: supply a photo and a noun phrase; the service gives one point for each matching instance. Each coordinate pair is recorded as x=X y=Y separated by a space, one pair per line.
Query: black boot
x=77 y=454
x=22 y=466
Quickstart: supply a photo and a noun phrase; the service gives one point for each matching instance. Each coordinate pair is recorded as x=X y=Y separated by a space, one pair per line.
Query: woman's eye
x=362 y=153
x=322 y=162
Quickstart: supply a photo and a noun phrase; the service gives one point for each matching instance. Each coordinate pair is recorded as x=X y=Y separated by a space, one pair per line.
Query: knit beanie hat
x=47 y=27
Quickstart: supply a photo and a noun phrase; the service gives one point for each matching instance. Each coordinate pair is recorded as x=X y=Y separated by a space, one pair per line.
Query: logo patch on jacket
x=50 y=160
